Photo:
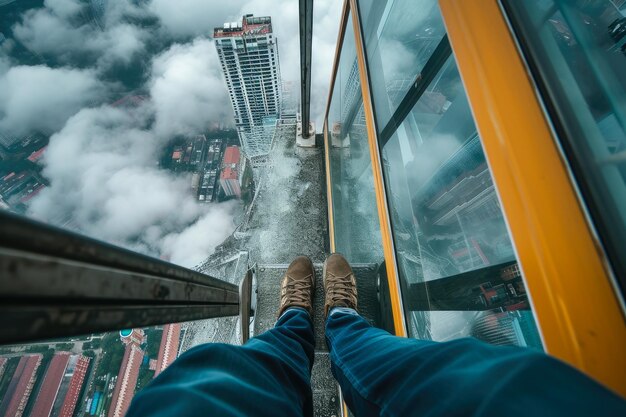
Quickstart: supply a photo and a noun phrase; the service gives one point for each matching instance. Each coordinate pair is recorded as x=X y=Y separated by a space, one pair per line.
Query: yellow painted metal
x=381 y=200
x=329 y=190
x=577 y=310
x=342 y=30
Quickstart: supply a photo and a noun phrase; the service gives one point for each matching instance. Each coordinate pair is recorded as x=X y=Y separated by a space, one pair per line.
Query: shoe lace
x=298 y=290
x=342 y=290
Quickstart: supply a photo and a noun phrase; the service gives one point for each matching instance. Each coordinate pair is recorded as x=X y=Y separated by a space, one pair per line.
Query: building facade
x=248 y=53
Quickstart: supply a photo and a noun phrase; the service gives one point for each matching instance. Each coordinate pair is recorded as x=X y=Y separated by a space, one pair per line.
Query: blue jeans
x=379 y=374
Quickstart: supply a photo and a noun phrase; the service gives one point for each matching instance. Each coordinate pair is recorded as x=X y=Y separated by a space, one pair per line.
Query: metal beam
x=306 y=38
x=55 y=283
x=41 y=321
x=20 y=233
x=434 y=64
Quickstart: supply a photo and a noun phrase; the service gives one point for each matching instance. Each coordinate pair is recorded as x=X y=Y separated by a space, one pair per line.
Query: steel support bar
x=27 y=275
x=17 y=232
x=434 y=64
x=306 y=38
x=55 y=283
x=39 y=321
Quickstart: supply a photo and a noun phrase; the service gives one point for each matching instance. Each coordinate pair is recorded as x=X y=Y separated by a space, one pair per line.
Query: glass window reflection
x=578 y=49
x=456 y=261
x=400 y=36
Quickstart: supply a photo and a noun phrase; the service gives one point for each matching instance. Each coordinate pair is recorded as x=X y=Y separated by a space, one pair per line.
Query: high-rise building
x=248 y=53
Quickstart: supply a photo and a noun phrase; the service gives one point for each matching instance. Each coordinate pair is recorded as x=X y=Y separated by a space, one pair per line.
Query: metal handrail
x=55 y=283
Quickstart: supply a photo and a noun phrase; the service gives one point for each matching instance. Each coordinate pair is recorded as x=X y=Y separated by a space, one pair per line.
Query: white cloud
x=187 y=89
x=41 y=98
x=53 y=31
x=191 y=18
x=105 y=181
x=198 y=241
x=64 y=8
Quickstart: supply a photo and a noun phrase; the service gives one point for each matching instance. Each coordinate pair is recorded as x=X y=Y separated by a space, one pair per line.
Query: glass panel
x=457 y=264
x=357 y=230
x=400 y=36
x=579 y=51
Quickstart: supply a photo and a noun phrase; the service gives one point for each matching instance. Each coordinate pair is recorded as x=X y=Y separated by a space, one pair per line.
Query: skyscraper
x=248 y=54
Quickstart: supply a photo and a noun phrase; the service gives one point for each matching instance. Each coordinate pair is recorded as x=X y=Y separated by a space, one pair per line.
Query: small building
x=50 y=386
x=21 y=385
x=230 y=177
x=168 y=351
x=3 y=362
x=129 y=372
x=75 y=388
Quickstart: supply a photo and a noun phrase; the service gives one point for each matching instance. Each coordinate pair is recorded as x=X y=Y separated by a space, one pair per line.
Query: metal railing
x=54 y=283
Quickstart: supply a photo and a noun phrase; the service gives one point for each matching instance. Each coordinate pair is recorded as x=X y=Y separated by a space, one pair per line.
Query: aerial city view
x=148 y=128
x=163 y=162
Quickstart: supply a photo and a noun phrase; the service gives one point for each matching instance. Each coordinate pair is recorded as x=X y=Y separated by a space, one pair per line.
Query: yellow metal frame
x=329 y=191
x=578 y=312
x=399 y=320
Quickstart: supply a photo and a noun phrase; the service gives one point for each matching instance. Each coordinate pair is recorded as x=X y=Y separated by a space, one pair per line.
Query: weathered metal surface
x=26 y=275
x=20 y=233
x=55 y=283
x=23 y=322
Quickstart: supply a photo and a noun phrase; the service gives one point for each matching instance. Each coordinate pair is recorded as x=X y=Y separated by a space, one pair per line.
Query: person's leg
x=268 y=376
x=381 y=374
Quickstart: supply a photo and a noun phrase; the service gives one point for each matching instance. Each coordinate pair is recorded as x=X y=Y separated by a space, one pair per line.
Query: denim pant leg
x=381 y=374
x=268 y=376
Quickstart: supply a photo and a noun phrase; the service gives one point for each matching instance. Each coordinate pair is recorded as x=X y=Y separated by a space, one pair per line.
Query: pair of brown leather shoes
x=298 y=285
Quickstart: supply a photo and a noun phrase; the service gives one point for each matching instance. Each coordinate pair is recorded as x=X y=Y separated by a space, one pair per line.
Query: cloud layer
x=105 y=183
x=58 y=32
x=187 y=90
x=39 y=98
